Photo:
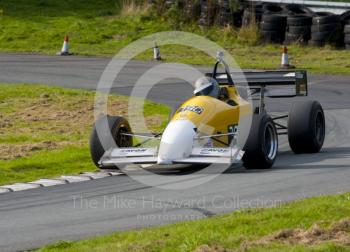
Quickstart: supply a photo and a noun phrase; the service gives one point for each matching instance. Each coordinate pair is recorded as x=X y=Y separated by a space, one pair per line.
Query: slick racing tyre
x=306 y=127
x=262 y=144
x=103 y=142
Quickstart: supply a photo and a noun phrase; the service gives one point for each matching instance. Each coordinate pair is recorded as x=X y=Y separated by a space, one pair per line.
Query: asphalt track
x=30 y=219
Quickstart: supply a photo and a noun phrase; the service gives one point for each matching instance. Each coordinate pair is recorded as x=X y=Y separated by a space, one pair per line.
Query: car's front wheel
x=107 y=133
x=261 y=147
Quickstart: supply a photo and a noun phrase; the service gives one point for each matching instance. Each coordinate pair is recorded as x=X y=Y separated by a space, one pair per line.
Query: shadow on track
x=328 y=158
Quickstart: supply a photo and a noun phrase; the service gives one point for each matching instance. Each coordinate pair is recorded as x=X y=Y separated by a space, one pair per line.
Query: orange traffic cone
x=285 y=59
x=65 y=47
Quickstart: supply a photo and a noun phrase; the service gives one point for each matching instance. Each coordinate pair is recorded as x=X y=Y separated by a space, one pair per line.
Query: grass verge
x=103 y=27
x=316 y=224
x=44 y=131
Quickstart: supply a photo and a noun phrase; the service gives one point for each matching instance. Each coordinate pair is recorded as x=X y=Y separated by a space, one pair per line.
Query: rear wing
x=278 y=83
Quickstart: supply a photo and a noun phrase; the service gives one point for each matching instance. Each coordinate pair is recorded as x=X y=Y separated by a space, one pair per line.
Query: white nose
x=176 y=142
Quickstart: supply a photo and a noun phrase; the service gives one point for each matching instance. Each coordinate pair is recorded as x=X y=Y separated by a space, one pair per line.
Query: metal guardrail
x=335 y=7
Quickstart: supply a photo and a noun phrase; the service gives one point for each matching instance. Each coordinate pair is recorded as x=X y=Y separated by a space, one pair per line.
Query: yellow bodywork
x=214 y=116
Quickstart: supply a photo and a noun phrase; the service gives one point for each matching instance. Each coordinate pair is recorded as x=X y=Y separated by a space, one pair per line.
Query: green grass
x=238 y=230
x=314 y=60
x=94 y=26
x=98 y=28
x=46 y=164
x=44 y=131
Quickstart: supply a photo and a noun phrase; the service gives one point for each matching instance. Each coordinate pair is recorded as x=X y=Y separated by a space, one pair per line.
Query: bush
x=134 y=8
x=249 y=34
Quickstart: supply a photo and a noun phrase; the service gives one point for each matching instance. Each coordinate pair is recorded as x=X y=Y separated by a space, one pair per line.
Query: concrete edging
x=64 y=179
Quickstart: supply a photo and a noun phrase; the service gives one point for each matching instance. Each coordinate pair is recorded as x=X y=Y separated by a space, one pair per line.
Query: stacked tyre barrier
x=296 y=9
x=237 y=17
x=224 y=15
x=208 y=13
x=220 y=12
x=252 y=14
x=272 y=8
x=192 y=10
x=278 y=22
x=298 y=29
x=273 y=28
x=345 y=19
x=325 y=29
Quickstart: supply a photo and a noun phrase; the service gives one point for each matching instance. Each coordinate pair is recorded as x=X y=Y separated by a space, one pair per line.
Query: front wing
x=150 y=156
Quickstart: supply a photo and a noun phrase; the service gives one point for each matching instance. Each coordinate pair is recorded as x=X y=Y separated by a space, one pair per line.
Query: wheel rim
x=122 y=140
x=319 y=128
x=271 y=141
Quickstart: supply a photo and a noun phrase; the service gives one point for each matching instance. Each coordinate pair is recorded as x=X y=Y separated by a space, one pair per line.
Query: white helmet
x=206 y=86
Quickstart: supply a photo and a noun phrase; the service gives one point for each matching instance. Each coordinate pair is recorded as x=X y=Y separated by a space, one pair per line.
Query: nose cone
x=176 y=142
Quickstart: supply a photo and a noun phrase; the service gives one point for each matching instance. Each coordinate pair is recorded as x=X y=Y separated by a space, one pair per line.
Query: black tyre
x=292 y=36
x=322 y=36
x=345 y=17
x=251 y=15
x=299 y=20
x=299 y=29
x=272 y=37
x=272 y=8
x=248 y=19
x=347 y=39
x=306 y=127
x=237 y=18
x=261 y=147
x=272 y=26
x=297 y=9
x=274 y=18
x=325 y=18
x=109 y=137
x=347 y=29
x=296 y=38
x=324 y=27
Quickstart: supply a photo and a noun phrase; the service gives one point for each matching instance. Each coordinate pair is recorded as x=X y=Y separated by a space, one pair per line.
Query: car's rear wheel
x=109 y=136
x=261 y=147
x=306 y=127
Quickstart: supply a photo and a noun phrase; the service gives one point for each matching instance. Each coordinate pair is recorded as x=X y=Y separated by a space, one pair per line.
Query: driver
x=206 y=86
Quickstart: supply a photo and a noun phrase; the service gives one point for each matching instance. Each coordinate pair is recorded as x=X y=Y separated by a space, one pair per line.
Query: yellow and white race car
x=207 y=128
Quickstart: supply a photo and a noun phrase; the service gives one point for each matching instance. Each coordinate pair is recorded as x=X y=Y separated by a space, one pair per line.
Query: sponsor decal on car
x=139 y=150
x=207 y=151
x=132 y=152
x=195 y=109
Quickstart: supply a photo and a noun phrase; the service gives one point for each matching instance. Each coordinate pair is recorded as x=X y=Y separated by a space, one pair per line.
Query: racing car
x=205 y=129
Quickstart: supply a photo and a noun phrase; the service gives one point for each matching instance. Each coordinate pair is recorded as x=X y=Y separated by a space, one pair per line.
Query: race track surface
x=30 y=219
